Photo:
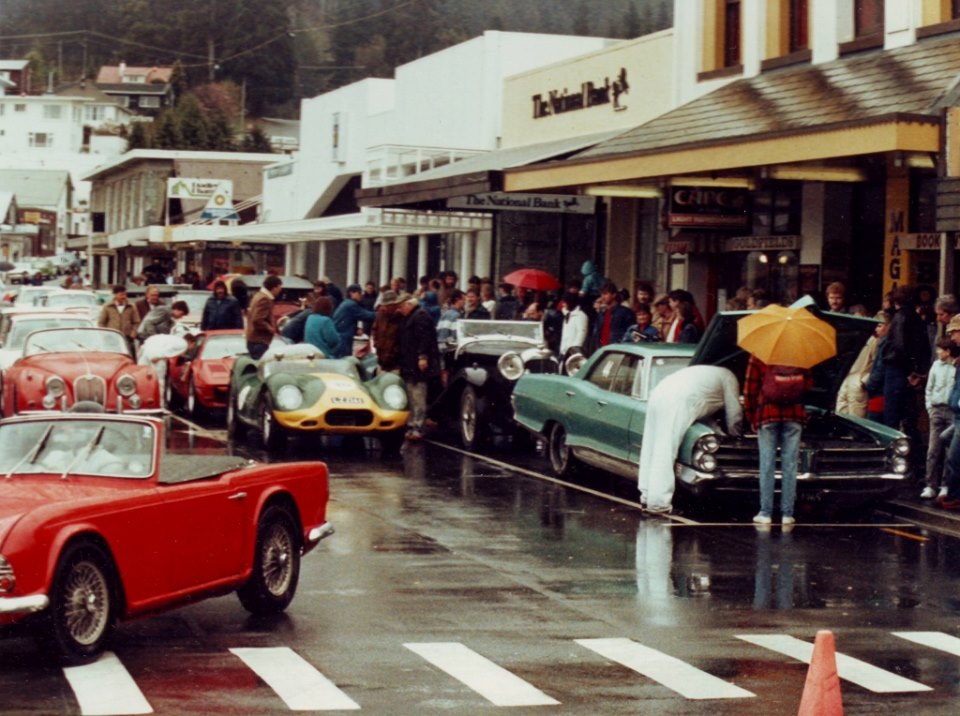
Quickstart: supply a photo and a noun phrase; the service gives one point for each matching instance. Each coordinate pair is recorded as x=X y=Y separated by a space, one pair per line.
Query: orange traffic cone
x=821 y=692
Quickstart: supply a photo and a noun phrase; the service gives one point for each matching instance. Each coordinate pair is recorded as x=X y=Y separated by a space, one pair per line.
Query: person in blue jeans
x=951 y=501
x=777 y=425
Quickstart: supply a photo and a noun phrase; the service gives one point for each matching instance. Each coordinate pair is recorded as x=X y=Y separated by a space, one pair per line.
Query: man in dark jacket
x=221 y=311
x=613 y=319
x=419 y=362
x=346 y=317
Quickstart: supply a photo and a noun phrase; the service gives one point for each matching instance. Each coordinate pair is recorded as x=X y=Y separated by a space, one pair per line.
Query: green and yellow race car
x=295 y=389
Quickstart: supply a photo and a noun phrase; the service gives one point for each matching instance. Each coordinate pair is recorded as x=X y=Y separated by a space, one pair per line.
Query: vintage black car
x=483 y=364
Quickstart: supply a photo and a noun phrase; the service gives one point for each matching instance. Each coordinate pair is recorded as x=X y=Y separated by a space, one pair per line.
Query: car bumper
x=23 y=605
x=343 y=421
x=853 y=484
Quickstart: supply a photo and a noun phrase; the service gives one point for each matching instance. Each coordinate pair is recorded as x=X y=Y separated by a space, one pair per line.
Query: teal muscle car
x=596 y=417
x=294 y=389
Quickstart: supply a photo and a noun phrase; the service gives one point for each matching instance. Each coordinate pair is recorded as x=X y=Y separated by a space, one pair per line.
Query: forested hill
x=283 y=50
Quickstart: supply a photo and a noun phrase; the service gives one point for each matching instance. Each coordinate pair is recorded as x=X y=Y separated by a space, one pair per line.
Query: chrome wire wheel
x=276 y=559
x=191 y=397
x=86 y=603
x=468 y=417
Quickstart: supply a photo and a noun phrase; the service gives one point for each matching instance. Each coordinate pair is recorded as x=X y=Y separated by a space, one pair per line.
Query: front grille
x=739 y=459
x=349 y=418
x=90 y=387
x=542 y=365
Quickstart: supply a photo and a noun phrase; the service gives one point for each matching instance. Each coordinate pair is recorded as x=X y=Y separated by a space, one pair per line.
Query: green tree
x=256 y=140
x=581 y=20
x=220 y=132
x=192 y=123
x=166 y=131
x=139 y=137
x=631 y=22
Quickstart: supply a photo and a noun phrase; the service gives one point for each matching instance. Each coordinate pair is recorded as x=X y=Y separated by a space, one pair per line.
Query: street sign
x=220 y=204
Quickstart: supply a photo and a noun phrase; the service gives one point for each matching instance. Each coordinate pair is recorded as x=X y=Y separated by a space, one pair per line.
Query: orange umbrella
x=787 y=336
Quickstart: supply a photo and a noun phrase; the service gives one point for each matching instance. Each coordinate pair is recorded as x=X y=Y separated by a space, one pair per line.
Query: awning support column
x=423 y=246
x=385 y=245
x=363 y=267
x=400 y=245
x=351 y=263
x=466 y=256
x=322 y=259
x=484 y=254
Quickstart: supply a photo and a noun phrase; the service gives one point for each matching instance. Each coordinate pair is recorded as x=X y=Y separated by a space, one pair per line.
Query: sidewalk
x=907 y=505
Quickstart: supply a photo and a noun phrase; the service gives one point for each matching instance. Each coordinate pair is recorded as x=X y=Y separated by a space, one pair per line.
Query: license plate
x=346 y=400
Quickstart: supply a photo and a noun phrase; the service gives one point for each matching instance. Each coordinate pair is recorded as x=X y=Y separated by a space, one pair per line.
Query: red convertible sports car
x=200 y=378
x=98 y=523
x=62 y=366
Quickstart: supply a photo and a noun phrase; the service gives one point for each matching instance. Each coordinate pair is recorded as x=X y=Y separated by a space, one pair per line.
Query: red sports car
x=200 y=378
x=98 y=523
x=63 y=366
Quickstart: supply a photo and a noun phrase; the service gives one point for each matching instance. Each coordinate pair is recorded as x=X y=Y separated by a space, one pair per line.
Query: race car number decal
x=346 y=400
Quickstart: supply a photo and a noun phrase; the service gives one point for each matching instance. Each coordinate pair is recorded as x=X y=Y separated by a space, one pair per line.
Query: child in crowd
x=940 y=381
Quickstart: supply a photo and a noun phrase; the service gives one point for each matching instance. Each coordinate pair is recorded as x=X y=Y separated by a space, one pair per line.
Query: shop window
x=775 y=273
x=923 y=203
x=776 y=212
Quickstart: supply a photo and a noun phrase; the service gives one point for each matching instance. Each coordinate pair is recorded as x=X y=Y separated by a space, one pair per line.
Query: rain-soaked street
x=466 y=584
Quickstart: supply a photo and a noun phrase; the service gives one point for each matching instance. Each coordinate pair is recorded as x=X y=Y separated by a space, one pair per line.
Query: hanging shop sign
x=708 y=208
x=588 y=94
x=789 y=242
x=931 y=241
x=502 y=201
x=200 y=189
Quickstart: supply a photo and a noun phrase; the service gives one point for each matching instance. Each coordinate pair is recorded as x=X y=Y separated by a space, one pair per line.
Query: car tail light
x=7 y=579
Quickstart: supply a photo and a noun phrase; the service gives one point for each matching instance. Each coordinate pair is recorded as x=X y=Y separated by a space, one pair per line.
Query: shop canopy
x=804 y=118
x=369 y=223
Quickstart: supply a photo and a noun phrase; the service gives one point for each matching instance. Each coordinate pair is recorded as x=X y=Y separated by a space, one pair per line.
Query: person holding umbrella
x=783 y=343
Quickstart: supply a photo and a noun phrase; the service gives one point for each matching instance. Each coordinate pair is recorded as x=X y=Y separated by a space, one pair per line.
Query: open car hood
x=719 y=347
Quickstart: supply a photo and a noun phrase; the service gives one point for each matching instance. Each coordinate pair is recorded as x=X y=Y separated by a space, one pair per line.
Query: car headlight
x=900 y=465
x=510 y=365
x=7 y=578
x=395 y=397
x=573 y=364
x=56 y=387
x=289 y=397
x=900 y=446
x=126 y=385
x=704 y=450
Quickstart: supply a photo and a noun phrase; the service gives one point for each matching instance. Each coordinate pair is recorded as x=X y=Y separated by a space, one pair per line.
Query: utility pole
x=211 y=65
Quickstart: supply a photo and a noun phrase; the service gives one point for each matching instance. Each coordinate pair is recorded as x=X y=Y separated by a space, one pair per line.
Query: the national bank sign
x=588 y=95
x=502 y=201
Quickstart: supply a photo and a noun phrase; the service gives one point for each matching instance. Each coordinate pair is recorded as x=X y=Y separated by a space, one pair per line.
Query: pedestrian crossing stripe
x=105 y=688
x=669 y=671
x=494 y=683
x=858 y=672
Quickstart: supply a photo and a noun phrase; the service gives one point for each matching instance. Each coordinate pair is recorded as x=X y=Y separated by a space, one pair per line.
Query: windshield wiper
x=32 y=455
x=85 y=452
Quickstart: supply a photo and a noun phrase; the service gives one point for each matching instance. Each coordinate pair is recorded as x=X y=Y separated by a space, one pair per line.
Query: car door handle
x=569 y=393
x=601 y=403
x=238 y=496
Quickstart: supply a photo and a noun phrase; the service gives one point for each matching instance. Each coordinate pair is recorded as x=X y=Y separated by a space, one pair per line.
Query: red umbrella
x=533 y=279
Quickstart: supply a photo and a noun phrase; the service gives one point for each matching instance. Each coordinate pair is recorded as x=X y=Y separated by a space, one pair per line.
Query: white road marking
x=294 y=680
x=492 y=682
x=667 y=670
x=105 y=688
x=933 y=639
x=859 y=672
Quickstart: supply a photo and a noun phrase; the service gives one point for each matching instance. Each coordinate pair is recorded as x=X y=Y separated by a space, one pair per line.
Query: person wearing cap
x=385 y=332
x=950 y=500
x=419 y=362
x=348 y=314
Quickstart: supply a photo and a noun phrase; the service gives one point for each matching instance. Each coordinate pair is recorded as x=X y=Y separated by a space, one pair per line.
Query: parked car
x=74 y=301
x=294 y=288
x=200 y=379
x=291 y=389
x=483 y=366
x=596 y=417
x=61 y=367
x=98 y=523
x=196 y=300
x=18 y=323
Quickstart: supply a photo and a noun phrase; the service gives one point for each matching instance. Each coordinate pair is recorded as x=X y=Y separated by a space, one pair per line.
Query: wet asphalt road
x=443 y=559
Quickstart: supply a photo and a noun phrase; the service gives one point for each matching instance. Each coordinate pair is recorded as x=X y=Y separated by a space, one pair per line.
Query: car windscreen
x=300 y=366
x=107 y=448
x=524 y=330
x=74 y=340
x=228 y=346
x=74 y=298
x=196 y=301
x=25 y=326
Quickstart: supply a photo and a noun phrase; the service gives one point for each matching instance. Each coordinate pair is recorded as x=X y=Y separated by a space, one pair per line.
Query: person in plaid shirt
x=776 y=425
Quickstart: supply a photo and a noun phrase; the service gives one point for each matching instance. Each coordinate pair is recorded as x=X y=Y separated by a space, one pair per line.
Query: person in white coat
x=576 y=325
x=676 y=403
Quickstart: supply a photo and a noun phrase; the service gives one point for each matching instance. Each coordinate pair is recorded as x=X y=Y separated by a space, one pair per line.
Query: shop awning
x=368 y=223
x=478 y=174
x=872 y=103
